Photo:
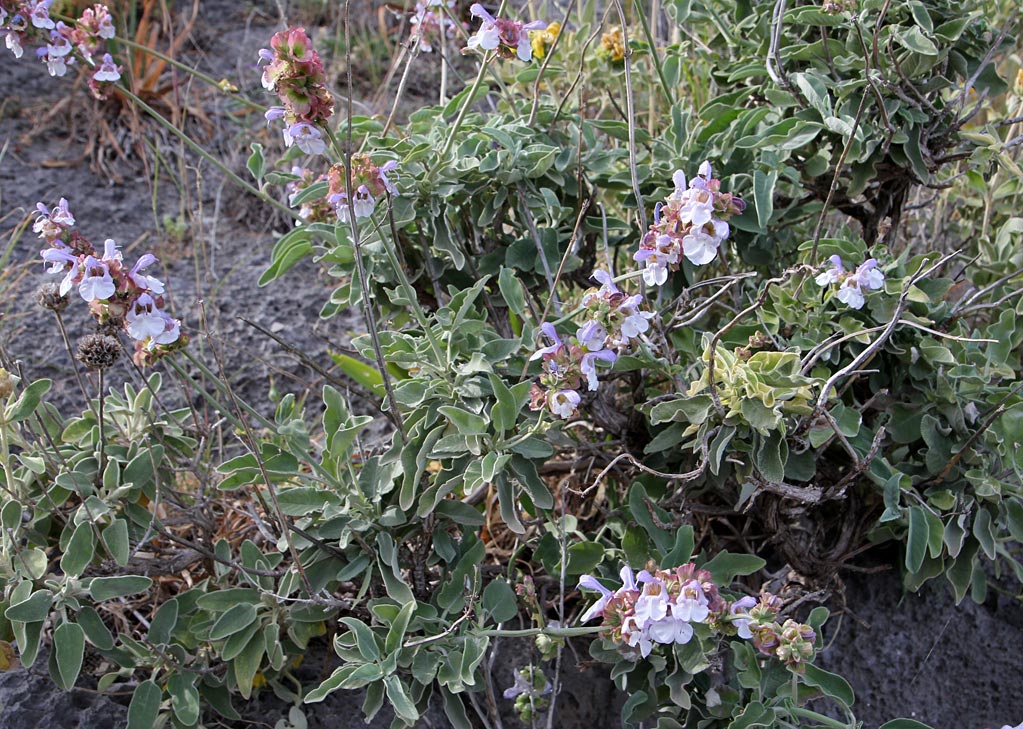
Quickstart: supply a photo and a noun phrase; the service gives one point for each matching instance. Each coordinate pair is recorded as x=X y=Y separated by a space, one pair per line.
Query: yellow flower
x=612 y=47
x=540 y=39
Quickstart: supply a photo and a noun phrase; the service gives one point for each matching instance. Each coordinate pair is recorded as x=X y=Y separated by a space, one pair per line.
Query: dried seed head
x=48 y=296
x=98 y=351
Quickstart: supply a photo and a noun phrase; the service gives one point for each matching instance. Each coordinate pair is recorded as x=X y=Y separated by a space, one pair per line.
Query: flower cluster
x=692 y=222
x=295 y=72
x=612 y=47
x=541 y=40
x=852 y=284
x=657 y=607
x=428 y=24
x=615 y=322
x=311 y=211
x=30 y=22
x=369 y=182
x=509 y=38
x=118 y=296
x=661 y=607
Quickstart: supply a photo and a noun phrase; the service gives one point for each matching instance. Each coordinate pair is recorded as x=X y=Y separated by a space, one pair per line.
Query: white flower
x=832 y=275
x=14 y=44
x=108 y=71
x=307 y=137
x=563 y=403
x=488 y=37
x=691 y=604
x=591 y=335
x=96 y=283
x=701 y=247
x=850 y=294
x=145 y=320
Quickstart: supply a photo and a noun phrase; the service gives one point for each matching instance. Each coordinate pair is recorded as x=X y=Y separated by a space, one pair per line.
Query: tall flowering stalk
x=120 y=297
x=692 y=222
x=295 y=73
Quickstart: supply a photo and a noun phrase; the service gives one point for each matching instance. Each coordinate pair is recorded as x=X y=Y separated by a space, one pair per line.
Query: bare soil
x=906 y=655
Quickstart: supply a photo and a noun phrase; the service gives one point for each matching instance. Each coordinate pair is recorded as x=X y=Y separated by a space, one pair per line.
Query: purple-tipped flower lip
x=265 y=54
x=54 y=255
x=145 y=261
x=590 y=583
x=535 y=25
x=479 y=11
x=606 y=279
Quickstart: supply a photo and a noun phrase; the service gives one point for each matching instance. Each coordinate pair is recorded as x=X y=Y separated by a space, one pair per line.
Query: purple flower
x=742 y=607
x=136 y=276
x=691 y=604
x=636 y=322
x=108 y=70
x=13 y=43
x=591 y=335
x=590 y=583
x=588 y=365
x=39 y=14
x=59 y=45
x=273 y=114
x=498 y=33
x=866 y=277
x=700 y=246
x=390 y=166
x=596 y=609
x=62 y=260
x=551 y=351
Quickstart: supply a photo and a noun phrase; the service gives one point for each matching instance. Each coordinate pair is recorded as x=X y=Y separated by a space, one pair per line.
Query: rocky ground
x=914 y=655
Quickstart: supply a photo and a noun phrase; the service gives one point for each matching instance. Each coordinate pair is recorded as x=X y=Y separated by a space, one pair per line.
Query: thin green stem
x=653 y=52
x=99 y=422
x=552 y=632
x=461 y=115
x=207 y=156
x=813 y=715
x=353 y=223
x=193 y=72
x=5 y=456
x=410 y=293
x=172 y=62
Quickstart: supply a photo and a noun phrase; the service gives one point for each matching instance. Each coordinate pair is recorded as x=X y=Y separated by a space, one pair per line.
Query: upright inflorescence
x=59 y=45
x=660 y=607
x=119 y=297
x=691 y=222
x=295 y=72
x=369 y=183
